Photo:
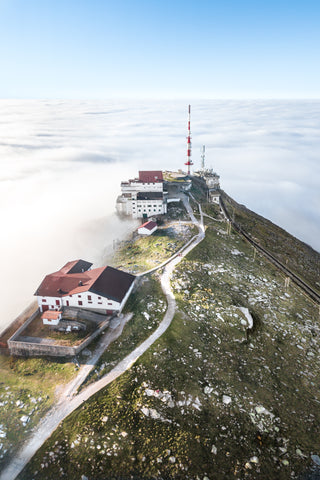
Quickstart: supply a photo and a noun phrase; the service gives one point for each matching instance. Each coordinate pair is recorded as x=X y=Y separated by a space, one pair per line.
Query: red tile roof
x=152 y=176
x=148 y=225
x=51 y=314
x=106 y=281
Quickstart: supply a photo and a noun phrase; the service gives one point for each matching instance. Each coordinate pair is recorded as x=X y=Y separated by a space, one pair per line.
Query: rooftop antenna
x=189 y=161
x=203 y=156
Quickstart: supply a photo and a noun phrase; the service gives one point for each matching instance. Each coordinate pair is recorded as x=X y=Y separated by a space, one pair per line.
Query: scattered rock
x=226 y=399
x=259 y=409
x=315 y=459
x=254 y=459
x=207 y=390
x=214 y=450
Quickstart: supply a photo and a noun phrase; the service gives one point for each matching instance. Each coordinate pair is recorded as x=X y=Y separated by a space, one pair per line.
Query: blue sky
x=159 y=49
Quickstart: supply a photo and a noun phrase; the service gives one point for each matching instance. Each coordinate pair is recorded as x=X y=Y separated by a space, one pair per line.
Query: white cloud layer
x=62 y=163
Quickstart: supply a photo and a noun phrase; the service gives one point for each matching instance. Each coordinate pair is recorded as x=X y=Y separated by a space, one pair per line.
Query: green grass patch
x=148 y=305
x=27 y=390
x=145 y=253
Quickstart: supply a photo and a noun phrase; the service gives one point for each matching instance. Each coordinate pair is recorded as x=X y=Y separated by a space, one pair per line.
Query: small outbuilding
x=51 y=317
x=147 y=228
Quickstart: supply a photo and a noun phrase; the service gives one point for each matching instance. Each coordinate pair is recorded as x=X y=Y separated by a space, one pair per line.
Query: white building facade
x=143 y=197
x=87 y=300
x=104 y=289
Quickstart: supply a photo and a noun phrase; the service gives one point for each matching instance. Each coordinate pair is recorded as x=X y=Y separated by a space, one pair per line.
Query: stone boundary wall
x=92 y=337
x=27 y=349
x=25 y=324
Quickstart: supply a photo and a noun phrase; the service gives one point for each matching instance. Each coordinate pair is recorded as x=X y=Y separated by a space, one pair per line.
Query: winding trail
x=69 y=403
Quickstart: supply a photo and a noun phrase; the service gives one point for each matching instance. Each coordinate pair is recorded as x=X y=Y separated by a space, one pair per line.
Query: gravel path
x=66 y=405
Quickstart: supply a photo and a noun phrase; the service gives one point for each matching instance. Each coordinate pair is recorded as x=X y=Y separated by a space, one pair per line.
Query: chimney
x=80 y=283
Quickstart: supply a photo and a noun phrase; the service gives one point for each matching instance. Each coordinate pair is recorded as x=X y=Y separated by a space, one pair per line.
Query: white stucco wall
x=96 y=302
x=145 y=231
x=124 y=301
x=149 y=207
x=47 y=321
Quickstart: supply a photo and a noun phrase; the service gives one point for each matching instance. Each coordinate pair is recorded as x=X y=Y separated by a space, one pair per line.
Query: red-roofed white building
x=51 y=317
x=103 y=289
x=143 y=197
x=147 y=228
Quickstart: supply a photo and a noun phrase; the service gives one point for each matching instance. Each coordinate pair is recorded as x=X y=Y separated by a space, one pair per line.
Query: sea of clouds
x=62 y=163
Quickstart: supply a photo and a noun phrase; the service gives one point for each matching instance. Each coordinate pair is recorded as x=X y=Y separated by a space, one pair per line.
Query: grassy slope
x=148 y=252
x=32 y=382
x=27 y=388
x=148 y=304
x=301 y=258
x=166 y=417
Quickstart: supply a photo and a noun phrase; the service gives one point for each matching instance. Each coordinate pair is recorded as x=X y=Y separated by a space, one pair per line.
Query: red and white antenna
x=189 y=161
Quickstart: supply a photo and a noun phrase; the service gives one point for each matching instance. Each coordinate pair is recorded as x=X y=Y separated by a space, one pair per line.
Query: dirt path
x=67 y=403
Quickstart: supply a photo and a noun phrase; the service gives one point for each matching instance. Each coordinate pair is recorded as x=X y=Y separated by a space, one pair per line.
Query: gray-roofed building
x=143 y=197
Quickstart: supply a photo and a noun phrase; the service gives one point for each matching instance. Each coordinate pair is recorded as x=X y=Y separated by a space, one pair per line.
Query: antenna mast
x=189 y=161
x=203 y=156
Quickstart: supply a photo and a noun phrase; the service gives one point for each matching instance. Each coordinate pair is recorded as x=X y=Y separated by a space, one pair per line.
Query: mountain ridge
x=213 y=398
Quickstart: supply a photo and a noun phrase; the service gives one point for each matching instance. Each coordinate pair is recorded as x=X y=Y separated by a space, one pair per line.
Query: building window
x=67 y=302
x=100 y=303
x=109 y=303
x=44 y=300
x=99 y=298
x=79 y=302
x=79 y=296
x=89 y=297
x=57 y=302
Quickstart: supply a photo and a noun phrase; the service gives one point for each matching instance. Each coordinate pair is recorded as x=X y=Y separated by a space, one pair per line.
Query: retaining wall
x=27 y=349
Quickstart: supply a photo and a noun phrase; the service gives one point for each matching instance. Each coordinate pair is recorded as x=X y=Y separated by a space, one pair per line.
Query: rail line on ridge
x=315 y=297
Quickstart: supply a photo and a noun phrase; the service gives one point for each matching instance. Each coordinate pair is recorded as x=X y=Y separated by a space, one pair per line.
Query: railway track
x=283 y=268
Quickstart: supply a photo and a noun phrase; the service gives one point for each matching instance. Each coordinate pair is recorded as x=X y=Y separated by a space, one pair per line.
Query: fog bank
x=62 y=163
